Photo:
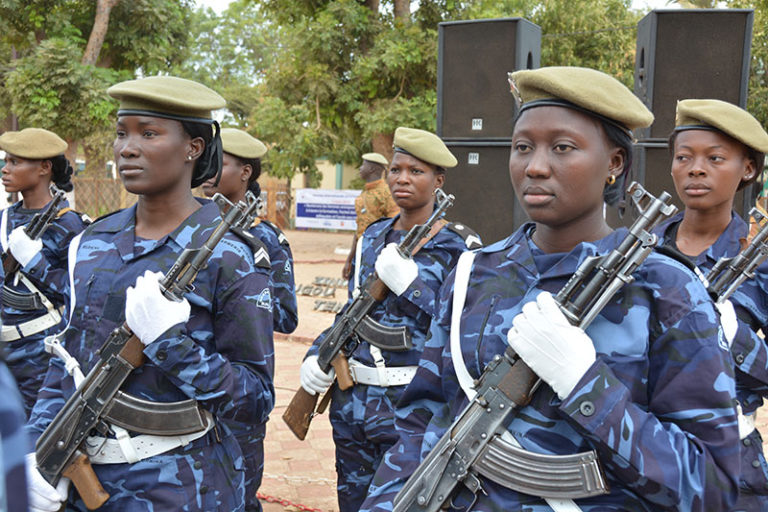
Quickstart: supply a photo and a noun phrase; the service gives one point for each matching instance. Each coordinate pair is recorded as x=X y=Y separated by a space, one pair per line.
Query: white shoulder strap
x=71 y=261
x=461 y=283
x=358 y=261
x=4 y=230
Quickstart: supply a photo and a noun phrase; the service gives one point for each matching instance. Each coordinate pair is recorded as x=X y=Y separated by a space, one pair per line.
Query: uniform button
x=755 y=463
x=203 y=489
x=587 y=408
x=417 y=293
x=162 y=355
x=198 y=464
x=747 y=442
x=739 y=358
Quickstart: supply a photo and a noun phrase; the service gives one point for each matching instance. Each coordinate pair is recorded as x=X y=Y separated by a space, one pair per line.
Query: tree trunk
x=382 y=143
x=99 y=31
x=402 y=10
x=373 y=5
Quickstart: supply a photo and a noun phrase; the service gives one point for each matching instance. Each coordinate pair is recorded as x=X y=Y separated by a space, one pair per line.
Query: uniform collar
x=374 y=184
x=516 y=248
x=729 y=243
x=187 y=234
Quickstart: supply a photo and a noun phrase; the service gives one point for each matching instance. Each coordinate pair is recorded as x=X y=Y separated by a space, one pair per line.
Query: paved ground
x=300 y=475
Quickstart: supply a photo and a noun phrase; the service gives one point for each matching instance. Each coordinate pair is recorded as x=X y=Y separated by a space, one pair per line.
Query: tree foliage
x=44 y=80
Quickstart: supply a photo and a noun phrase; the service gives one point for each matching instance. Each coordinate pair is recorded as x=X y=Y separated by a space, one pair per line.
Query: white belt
x=34 y=326
x=390 y=376
x=746 y=424
x=126 y=449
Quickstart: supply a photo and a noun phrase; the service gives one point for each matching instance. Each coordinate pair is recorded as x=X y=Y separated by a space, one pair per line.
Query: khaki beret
x=241 y=144
x=425 y=146
x=724 y=116
x=376 y=158
x=33 y=143
x=168 y=95
x=586 y=89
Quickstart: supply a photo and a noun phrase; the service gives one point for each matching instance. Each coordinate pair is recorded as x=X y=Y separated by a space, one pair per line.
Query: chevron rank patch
x=261 y=258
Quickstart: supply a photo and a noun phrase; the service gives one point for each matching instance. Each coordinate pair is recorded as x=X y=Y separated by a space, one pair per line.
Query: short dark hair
x=209 y=163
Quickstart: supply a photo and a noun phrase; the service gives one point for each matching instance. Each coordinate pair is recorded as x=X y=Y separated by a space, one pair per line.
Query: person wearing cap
x=373 y=203
x=214 y=347
x=33 y=298
x=717 y=149
x=647 y=386
x=239 y=174
x=362 y=417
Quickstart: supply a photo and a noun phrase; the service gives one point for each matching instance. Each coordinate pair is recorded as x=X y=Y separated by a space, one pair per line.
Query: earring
x=611 y=179
x=189 y=157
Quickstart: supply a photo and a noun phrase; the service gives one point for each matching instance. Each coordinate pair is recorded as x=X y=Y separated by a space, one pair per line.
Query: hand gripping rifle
x=729 y=273
x=476 y=444
x=35 y=229
x=60 y=450
x=354 y=324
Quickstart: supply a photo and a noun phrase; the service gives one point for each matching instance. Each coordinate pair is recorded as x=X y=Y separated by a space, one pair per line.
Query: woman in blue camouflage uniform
x=718 y=149
x=362 y=416
x=14 y=444
x=241 y=168
x=214 y=347
x=32 y=298
x=648 y=386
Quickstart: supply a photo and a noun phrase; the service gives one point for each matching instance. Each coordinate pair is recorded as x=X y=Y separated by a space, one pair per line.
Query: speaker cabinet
x=651 y=167
x=694 y=53
x=473 y=98
x=485 y=199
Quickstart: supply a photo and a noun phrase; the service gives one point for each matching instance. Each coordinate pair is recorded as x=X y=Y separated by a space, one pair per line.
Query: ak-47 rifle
x=728 y=273
x=59 y=450
x=354 y=323
x=35 y=229
x=476 y=445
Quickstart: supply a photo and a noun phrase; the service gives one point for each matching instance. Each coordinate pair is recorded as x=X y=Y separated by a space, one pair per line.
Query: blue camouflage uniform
x=250 y=436
x=285 y=308
x=749 y=351
x=363 y=416
x=657 y=405
x=223 y=357
x=26 y=357
x=14 y=445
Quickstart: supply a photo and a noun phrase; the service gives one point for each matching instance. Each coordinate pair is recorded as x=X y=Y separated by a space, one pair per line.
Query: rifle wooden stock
x=86 y=482
x=303 y=407
x=298 y=414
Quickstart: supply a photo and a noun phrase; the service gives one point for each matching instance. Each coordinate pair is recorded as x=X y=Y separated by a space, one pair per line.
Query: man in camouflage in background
x=373 y=203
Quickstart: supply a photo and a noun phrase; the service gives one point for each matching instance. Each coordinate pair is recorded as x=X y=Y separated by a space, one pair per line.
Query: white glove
x=313 y=379
x=43 y=497
x=22 y=247
x=395 y=271
x=558 y=352
x=148 y=313
x=728 y=320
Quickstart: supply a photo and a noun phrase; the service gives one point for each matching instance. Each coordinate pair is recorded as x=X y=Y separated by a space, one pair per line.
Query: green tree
x=62 y=55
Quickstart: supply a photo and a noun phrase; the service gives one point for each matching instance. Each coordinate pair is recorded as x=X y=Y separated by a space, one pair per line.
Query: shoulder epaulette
x=471 y=239
x=281 y=238
x=259 y=250
x=675 y=254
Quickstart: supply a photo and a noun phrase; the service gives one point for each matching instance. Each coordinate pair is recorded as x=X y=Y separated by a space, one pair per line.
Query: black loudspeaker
x=694 y=53
x=485 y=199
x=651 y=167
x=473 y=94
